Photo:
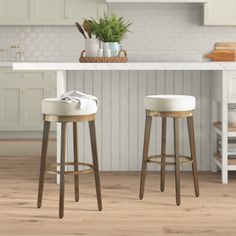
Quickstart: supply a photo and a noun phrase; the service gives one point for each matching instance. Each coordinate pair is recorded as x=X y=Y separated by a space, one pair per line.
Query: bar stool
x=169 y=106
x=56 y=110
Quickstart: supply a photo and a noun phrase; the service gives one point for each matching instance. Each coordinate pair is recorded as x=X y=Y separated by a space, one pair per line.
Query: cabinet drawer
x=232 y=86
x=9 y=75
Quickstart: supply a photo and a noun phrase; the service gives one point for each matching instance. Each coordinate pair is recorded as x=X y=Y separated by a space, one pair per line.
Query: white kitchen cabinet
x=78 y=10
x=218 y=12
x=48 y=11
x=12 y=11
x=20 y=99
x=67 y=11
x=53 y=12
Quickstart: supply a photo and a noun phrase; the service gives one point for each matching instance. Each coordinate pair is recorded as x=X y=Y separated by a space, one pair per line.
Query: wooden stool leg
x=76 y=176
x=147 y=133
x=163 y=153
x=95 y=162
x=46 y=129
x=193 y=154
x=62 y=169
x=177 y=168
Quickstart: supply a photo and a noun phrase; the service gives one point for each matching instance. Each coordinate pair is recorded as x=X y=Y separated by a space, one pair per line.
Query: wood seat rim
x=77 y=118
x=177 y=114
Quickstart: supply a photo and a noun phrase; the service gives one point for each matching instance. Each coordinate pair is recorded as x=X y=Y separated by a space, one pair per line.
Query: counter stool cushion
x=58 y=107
x=169 y=103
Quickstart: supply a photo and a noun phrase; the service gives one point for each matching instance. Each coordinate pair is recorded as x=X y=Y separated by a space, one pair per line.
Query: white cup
x=91 y=47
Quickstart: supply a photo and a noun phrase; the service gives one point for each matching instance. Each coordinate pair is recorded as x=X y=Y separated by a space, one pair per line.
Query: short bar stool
x=56 y=110
x=169 y=106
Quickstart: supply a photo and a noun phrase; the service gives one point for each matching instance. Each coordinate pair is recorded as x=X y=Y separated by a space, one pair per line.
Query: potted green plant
x=111 y=30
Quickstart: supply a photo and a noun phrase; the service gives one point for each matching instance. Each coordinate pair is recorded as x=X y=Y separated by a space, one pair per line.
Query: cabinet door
x=14 y=11
x=47 y=11
x=65 y=12
x=11 y=98
x=78 y=10
x=218 y=12
x=32 y=107
x=20 y=99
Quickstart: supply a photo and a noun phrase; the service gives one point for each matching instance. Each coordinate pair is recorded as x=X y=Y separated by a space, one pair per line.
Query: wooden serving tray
x=119 y=59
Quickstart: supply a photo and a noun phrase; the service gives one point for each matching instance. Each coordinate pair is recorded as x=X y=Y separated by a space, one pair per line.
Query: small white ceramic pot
x=232 y=117
x=91 y=47
x=114 y=48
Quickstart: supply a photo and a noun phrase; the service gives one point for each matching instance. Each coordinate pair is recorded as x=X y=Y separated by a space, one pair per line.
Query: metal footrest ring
x=157 y=159
x=51 y=168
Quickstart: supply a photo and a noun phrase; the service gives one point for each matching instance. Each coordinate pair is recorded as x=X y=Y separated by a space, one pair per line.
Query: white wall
x=160 y=32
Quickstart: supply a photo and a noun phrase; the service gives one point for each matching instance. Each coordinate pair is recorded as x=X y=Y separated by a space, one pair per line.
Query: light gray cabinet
x=218 y=12
x=45 y=12
x=14 y=11
x=20 y=99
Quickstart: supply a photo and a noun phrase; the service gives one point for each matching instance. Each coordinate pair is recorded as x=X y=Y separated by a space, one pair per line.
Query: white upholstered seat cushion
x=58 y=107
x=171 y=103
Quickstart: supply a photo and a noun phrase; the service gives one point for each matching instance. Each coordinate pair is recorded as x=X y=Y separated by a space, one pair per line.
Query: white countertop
x=126 y=66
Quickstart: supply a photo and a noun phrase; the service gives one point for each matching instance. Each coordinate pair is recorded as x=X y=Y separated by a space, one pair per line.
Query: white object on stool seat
x=76 y=96
x=58 y=107
x=171 y=103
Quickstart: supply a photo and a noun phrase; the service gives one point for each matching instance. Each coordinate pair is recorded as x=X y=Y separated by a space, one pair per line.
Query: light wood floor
x=213 y=213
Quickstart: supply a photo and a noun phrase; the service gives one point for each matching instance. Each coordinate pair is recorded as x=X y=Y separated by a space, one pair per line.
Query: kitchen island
x=120 y=120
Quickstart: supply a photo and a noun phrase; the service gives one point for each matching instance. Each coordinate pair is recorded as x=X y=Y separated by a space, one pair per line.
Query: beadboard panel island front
x=121 y=115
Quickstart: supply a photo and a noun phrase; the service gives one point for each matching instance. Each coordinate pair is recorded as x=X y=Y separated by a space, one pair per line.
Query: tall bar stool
x=176 y=107
x=56 y=110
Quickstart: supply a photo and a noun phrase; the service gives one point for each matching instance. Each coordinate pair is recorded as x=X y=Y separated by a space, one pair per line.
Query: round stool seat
x=169 y=103
x=58 y=107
